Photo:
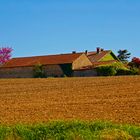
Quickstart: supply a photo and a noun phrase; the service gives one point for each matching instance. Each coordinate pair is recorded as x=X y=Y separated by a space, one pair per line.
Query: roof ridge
x=57 y=54
x=48 y=55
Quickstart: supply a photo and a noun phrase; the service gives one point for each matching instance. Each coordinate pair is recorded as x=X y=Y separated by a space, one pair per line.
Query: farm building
x=72 y=64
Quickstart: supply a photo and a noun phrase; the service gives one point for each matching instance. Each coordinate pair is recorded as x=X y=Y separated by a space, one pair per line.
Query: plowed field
x=39 y=100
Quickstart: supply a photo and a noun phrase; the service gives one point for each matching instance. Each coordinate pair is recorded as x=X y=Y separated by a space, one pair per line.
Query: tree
x=123 y=55
x=5 y=54
x=135 y=62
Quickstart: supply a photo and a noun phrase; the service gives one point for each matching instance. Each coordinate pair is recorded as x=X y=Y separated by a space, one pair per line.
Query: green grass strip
x=70 y=130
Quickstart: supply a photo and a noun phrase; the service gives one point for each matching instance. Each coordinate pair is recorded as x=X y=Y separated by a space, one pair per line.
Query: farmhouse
x=72 y=64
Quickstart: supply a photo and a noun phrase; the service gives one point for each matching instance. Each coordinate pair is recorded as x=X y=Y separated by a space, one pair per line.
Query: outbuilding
x=72 y=64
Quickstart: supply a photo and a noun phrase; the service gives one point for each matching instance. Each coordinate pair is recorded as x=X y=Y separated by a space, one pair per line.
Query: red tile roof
x=44 y=60
x=52 y=59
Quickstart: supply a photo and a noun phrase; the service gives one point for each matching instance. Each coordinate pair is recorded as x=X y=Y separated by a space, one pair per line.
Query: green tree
x=123 y=55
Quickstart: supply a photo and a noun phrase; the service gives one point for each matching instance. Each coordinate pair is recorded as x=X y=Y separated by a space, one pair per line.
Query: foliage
x=123 y=55
x=67 y=69
x=38 y=71
x=73 y=130
x=135 y=71
x=127 y=72
x=4 y=132
x=5 y=54
x=116 y=69
x=135 y=62
x=106 y=71
x=115 y=134
x=118 y=65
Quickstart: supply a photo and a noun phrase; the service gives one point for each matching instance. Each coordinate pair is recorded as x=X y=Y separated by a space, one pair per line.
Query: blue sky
x=41 y=27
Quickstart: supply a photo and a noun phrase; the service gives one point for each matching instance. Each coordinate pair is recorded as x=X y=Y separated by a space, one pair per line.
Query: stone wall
x=18 y=72
x=50 y=71
x=27 y=72
x=84 y=73
x=53 y=71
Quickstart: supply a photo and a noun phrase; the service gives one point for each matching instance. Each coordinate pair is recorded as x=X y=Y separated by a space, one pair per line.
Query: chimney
x=73 y=52
x=102 y=49
x=98 y=49
x=86 y=51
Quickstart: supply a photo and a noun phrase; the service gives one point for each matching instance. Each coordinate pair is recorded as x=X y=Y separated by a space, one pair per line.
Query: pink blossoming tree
x=5 y=54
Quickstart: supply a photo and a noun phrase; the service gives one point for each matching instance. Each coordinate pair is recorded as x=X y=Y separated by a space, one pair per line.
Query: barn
x=71 y=64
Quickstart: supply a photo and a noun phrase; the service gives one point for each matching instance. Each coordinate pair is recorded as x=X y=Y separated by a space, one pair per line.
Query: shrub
x=118 y=65
x=127 y=72
x=123 y=72
x=135 y=71
x=106 y=71
x=38 y=71
x=116 y=69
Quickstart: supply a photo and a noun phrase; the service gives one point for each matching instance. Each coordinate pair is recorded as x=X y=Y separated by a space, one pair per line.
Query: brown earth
x=39 y=100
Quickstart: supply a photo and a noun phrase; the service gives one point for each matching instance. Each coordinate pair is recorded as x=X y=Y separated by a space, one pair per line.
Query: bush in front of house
x=136 y=71
x=118 y=65
x=117 y=69
x=133 y=71
x=124 y=72
x=38 y=71
x=106 y=71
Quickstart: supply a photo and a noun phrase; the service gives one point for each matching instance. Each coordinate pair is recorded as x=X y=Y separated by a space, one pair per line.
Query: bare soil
x=115 y=99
